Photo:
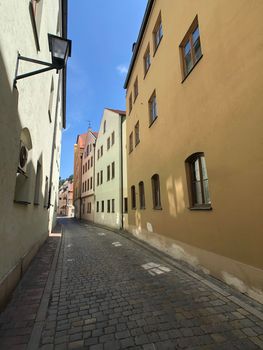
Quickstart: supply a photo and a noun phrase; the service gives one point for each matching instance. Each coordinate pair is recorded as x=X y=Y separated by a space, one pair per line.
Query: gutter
x=139 y=40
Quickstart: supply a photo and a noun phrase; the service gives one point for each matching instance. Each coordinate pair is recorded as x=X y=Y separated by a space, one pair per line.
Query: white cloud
x=122 y=69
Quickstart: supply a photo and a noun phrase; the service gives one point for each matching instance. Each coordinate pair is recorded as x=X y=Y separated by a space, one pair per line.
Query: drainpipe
x=122 y=119
x=80 y=199
x=94 y=178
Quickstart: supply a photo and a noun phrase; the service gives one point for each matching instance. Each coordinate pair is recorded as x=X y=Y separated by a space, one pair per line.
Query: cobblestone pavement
x=111 y=293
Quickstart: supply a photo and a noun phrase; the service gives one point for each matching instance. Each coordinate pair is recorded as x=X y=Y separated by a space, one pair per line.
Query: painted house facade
x=65 y=200
x=32 y=115
x=77 y=187
x=194 y=135
x=88 y=174
x=109 y=164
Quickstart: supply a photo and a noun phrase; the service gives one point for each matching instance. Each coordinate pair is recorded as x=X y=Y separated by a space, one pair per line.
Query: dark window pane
x=197 y=50
x=196 y=35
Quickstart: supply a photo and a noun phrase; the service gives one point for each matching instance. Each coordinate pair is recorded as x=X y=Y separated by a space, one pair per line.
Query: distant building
x=110 y=168
x=194 y=136
x=65 y=200
x=77 y=185
x=32 y=116
x=88 y=166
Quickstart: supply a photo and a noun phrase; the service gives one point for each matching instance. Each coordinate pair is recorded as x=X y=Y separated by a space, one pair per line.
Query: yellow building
x=194 y=136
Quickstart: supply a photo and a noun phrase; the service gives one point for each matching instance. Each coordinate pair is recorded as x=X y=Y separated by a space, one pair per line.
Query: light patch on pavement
x=70 y=260
x=69 y=245
x=116 y=244
x=101 y=234
x=155 y=269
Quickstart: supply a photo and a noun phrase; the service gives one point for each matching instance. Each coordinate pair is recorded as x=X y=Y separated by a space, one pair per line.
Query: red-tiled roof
x=117 y=111
x=81 y=140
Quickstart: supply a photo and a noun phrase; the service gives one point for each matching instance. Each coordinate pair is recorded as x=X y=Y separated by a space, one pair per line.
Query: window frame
x=147 y=64
x=135 y=89
x=157 y=203
x=131 y=142
x=133 y=197
x=108 y=206
x=142 y=195
x=130 y=103
x=157 y=27
x=150 y=103
x=137 y=133
x=189 y=163
x=112 y=170
x=189 y=38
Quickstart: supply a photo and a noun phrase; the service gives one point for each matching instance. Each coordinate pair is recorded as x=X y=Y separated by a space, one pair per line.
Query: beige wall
x=216 y=110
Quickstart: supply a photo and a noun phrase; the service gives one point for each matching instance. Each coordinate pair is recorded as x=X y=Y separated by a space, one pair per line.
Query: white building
x=110 y=169
x=32 y=116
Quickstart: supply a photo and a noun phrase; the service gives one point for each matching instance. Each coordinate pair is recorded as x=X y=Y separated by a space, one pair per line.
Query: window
x=98 y=179
x=98 y=207
x=36 y=15
x=108 y=206
x=101 y=177
x=83 y=208
x=88 y=185
x=135 y=89
x=112 y=170
x=108 y=143
x=104 y=127
x=98 y=154
x=91 y=162
x=156 y=192
x=46 y=198
x=113 y=205
x=131 y=142
x=102 y=206
x=108 y=173
x=91 y=183
x=88 y=164
x=198 y=181
x=153 y=108
x=101 y=151
x=157 y=33
x=85 y=167
x=38 y=183
x=50 y=105
x=191 y=48
x=142 y=195
x=137 y=133
x=112 y=138
x=133 y=197
x=130 y=103
x=147 y=60
x=125 y=205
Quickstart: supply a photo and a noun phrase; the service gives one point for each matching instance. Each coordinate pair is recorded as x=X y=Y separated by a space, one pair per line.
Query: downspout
x=80 y=198
x=122 y=219
x=94 y=178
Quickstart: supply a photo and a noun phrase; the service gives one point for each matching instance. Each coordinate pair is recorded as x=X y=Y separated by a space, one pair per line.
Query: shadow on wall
x=21 y=225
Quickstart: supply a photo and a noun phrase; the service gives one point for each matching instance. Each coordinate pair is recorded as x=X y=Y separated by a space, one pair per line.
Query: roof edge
x=139 y=40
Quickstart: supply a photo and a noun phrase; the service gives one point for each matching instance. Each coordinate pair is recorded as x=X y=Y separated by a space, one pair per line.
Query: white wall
x=22 y=226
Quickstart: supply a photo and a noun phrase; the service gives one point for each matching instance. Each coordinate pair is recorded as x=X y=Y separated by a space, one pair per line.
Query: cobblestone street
x=108 y=292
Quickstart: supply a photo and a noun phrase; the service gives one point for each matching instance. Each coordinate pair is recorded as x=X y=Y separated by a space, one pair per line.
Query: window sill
x=153 y=121
x=196 y=63
x=22 y=202
x=201 y=207
x=157 y=208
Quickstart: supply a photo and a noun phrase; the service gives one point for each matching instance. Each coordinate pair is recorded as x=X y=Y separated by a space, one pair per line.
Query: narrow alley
x=105 y=291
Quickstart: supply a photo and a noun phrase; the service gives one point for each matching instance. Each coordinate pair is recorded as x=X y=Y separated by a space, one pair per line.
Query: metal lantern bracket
x=49 y=66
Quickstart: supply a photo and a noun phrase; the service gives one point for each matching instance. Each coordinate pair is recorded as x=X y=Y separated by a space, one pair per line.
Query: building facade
x=87 y=189
x=65 y=200
x=194 y=136
x=32 y=115
x=109 y=165
x=77 y=184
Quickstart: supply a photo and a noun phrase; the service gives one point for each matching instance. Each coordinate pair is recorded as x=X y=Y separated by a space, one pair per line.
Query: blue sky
x=102 y=34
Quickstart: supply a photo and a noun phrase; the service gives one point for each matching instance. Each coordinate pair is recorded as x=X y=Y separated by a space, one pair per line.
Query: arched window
x=133 y=197
x=198 y=181
x=156 y=192
x=24 y=172
x=104 y=127
x=141 y=195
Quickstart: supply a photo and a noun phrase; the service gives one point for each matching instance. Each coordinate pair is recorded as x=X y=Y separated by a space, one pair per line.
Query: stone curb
x=34 y=340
